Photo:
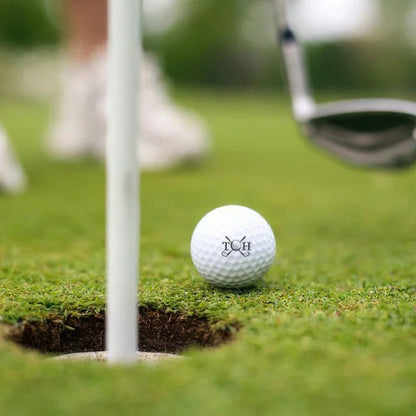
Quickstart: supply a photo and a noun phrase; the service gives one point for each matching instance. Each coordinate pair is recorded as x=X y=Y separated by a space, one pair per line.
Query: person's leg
x=169 y=134
x=86 y=27
x=75 y=128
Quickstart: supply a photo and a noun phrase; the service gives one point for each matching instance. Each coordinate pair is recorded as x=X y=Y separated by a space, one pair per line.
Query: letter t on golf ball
x=233 y=246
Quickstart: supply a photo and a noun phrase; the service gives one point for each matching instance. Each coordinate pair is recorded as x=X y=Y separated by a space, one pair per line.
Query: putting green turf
x=332 y=330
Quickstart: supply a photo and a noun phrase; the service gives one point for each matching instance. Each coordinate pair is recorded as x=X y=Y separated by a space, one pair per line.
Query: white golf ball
x=233 y=246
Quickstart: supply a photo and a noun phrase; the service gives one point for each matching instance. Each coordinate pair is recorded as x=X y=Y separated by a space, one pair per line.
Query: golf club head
x=371 y=133
x=377 y=133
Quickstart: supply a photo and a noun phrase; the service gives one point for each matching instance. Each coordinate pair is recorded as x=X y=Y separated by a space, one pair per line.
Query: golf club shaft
x=122 y=181
x=302 y=101
x=281 y=13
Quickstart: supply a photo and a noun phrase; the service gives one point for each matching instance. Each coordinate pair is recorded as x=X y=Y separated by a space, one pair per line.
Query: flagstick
x=122 y=182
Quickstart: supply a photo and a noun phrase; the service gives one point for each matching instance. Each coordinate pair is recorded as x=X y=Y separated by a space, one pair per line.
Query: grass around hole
x=331 y=330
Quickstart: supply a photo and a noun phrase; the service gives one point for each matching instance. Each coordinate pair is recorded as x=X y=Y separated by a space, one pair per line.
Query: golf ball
x=233 y=246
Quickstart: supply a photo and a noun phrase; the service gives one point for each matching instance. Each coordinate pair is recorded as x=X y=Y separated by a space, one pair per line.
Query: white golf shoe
x=12 y=177
x=169 y=135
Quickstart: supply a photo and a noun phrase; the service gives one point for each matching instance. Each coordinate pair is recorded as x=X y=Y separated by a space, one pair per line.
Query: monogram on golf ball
x=240 y=246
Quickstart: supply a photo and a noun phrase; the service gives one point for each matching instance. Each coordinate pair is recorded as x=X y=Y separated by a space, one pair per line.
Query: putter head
x=371 y=133
x=375 y=133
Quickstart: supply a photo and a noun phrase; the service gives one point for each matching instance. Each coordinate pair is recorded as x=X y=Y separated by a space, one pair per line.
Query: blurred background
x=354 y=45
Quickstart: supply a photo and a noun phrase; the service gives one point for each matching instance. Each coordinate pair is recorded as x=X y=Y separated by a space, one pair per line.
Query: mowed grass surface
x=332 y=330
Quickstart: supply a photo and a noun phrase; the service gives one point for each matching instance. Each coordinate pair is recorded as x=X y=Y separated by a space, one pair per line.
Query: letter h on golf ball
x=241 y=246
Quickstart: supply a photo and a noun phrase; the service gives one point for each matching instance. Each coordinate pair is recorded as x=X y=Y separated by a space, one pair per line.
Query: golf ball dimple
x=233 y=246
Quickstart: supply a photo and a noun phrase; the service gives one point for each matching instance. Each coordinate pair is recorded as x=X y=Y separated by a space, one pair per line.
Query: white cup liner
x=149 y=357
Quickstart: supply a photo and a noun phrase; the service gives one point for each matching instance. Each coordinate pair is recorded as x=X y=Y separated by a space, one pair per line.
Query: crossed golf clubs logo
x=241 y=246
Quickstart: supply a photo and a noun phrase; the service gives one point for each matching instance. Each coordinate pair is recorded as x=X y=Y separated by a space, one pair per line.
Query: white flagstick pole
x=122 y=181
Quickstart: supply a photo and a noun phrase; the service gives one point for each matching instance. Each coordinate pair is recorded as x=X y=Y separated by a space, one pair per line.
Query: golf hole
x=159 y=331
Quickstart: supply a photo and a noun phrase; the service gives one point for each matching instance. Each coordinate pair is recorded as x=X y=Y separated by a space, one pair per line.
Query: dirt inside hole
x=159 y=332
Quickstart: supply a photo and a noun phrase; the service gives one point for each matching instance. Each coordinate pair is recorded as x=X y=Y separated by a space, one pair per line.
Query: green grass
x=331 y=331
